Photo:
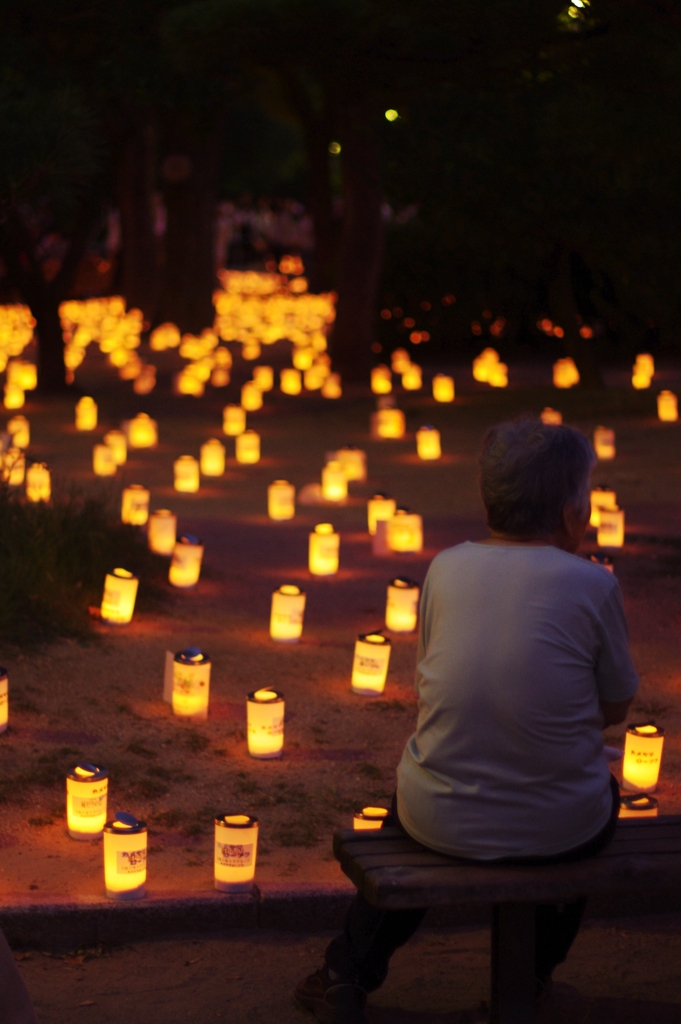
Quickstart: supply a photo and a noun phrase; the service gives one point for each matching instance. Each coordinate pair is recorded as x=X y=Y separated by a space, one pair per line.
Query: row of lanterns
x=16 y=333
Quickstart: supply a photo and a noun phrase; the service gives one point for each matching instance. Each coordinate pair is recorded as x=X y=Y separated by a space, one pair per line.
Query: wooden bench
x=393 y=872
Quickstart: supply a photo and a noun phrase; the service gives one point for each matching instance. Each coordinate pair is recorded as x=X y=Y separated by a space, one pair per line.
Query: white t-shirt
x=517 y=645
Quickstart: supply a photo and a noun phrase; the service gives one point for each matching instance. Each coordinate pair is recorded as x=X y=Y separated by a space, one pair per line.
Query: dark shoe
x=330 y=1002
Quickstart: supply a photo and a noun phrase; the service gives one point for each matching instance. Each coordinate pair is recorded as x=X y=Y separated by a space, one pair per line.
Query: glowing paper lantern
x=334 y=482
x=314 y=378
x=86 y=413
x=667 y=407
x=103 y=462
x=565 y=373
x=643 y=371
x=324 y=548
x=642 y=757
x=162 y=532
x=332 y=387
x=381 y=380
x=370 y=665
x=303 y=358
x=38 y=482
x=23 y=374
x=428 y=443
x=191 y=684
x=135 y=505
x=551 y=416
x=120 y=593
x=379 y=507
x=14 y=468
x=185 y=567
x=402 y=605
x=443 y=388
x=116 y=441
x=87 y=787
x=142 y=431
x=369 y=819
x=220 y=377
x=412 y=378
x=286 y=616
x=4 y=700
x=125 y=857
x=639 y=805
x=604 y=443
x=263 y=377
x=611 y=528
x=212 y=454
x=251 y=396
x=247 y=447
x=290 y=381
x=233 y=420
x=354 y=462
x=19 y=429
x=186 y=474
x=388 y=423
x=265 y=724
x=484 y=364
x=405 y=532
x=281 y=500
x=498 y=376
x=601 y=497
x=236 y=848
x=14 y=397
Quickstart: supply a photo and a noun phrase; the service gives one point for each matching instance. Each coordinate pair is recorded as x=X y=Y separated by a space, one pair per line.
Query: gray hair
x=529 y=472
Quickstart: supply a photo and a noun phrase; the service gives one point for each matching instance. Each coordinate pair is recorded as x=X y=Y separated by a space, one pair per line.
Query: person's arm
x=614 y=711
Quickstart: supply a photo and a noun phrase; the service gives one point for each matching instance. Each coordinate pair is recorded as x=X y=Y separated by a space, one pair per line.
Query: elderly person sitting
x=523 y=659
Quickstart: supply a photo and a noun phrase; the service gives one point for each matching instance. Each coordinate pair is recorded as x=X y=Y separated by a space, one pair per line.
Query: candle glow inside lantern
x=332 y=387
x=290 y=381
x=601 y=498
x=116 y=441
x=354 y=462
x=263 y=377
x=14 y=469
x=399 y=360
x=287 y=613
x=381 y=380
x=38 y=482
x=191 y=684
x=323 y=552
x=86 y=795
x=443 y=388
x=551 y=416
x=14 y=396
x=565 y=373
x=265 y=723
x=402 y=605
x=405 y=532
x=233 y=420
x=370 y=665
x=86 y=413
x=610 y=528
x=642 y=757
x=380 y=507
x=369 y=819
x=412 y=378
x=135 y=505
x=23 y=374
x=103 y=462
x=186 y=474
x=19 y=429
x=236 y=847
x=334 y=482
x=643 y=371
x=281 y=500
x=162 y=531
x=125 y=857
x=251 y=396
x=388 y=424
x=428 y=443
x=212 y=457
x=120 y=593
x=142 y=431
x=604 y=443
x=247 y=447
x=638 y=805
x=484 y=364
x=667 y=407
x=185 y=567
x=4 y=700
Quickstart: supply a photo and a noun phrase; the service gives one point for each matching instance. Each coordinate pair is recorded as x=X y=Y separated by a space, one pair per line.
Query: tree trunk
x=139 y=270
x=565 y=312
x=323 y=271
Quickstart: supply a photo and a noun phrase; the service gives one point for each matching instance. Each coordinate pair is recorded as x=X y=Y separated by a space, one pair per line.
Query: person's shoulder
x=582 y=570
x=449 y=558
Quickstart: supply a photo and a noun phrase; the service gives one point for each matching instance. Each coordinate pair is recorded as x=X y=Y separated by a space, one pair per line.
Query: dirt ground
x=103 y=702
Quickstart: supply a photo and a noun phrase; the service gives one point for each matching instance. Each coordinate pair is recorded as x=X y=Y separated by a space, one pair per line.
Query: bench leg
x=513 y=964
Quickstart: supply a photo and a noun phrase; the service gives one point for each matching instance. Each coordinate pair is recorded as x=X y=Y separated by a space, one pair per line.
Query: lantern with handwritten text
x=135 y=505
x=191 y=684
x=370 y=664
x=323 y=552
x=125 y=857
x=402 y=605
x=86 y=794
x=118 y=601
x=643 y=745
x=185 y=567
x=162 y=531
x=236 y=847
x=286 y=616
x=265 y=724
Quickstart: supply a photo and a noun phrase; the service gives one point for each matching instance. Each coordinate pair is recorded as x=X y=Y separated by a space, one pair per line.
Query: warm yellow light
x=303 y=358
x=405 y=532
x=379 y=507
x=354 y=462
x=233 y=420
x=428 y=443
x=667 y=407
x=14 y=397
x=334 y=148
x=265 y=724
x=23 y=374
x=645 y=365
x=604 y=443
x=402 y=605
x=332 y=387
x=391 y=115
x=601 y=497
x=498 y=376
x=286 y=616
x=116 y=441
x=212 y=458
x=551 y=416
x=484 y=365
x=400 y=361
x=412 y=378
x=14 y=467
x=135 y=505
x=565 y=373
x=247 y=447
x=103 y=462
x=86 y=413
x=142 y=431
x=4 y=700
x=369 y=818
x=251 y=396
x=19 y=429
x=381 y=380
x=162 y=532
x=281 y=500
x=191 y=684
x=290 y=381
x=220 y=377
x=388 y=424
x=263 y=377
x=370 y=665
x=323 y=552
x=125 y=857
x=313 y=379
x=443 y=388
x=120 y=593
x=642 y=757
x=236 y=848
x=334 y=482
x=185 y=567
x=86 y=794
x=38 y=482
x=640 y=805
x=611 y=528
x=186 y=474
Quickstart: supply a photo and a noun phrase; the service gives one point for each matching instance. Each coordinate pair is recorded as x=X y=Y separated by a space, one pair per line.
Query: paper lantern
x=248 y=447
x=369 y=819
x=370 y=665
x=38 y=482
x=233 y=420
x=191 y=684
x=142 y=431
x=86 y=413
x=354 y=462
x=120 y=593
x=286 y=616
x=381 y=380
x=400 y=360
x=667 y=407
x=334 y=482
x=251 y=396
x=610 y=528
x=186 y=474
x=281 y=500
x=498 y=375
x=428 y=443
x=23 y=374
x=412 y=379
x=643 y=371
x=402 y=605
x=443 y=388
x=263 y=377
x=125 y=857
x=103 y=462
x=116 y=441
x=388 y=424
x=565 y=373
x=220 y=377
x=135 y=505
x=604 y=443
x=601 y=497
x=379 y=507
x=638 y=805
x=14 y=467
x=290 y=381
x=313 y=379
x=185 y=567
x=551 y=416
x=484 y=364
x=405 y=532
x=212 y=455
x=265 y=724
x=323 y=553
x=14 y=397
x=303 y=357
x=162 y=532
x=236 y=848
x=4 y=700
x=19 y=429
x=643 y=745
x=332 y=387
x=87 y=787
